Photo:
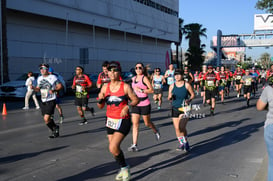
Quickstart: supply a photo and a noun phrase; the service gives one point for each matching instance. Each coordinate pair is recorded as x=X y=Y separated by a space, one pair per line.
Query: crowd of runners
x=127 y=103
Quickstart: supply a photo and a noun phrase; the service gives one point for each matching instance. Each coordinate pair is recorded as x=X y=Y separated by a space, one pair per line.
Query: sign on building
x=263 y=22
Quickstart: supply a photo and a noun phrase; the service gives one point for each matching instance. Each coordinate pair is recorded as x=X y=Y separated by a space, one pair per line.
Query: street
x=226 y=147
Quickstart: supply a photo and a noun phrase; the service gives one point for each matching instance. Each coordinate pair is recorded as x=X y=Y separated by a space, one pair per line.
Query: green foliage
x=266 y=5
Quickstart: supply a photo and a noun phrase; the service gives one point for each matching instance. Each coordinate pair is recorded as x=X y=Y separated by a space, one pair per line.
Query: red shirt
x=116 y=101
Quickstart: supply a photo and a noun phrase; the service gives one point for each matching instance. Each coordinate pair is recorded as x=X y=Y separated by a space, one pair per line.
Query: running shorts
x=141 y=110
x=210 y=94
x=247 y=89
x=124 y=127
x=48 y=107
x=157 y=91
x=176 y=112
x=81 y=102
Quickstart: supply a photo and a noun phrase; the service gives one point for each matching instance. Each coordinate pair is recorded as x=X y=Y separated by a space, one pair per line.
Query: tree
x=266 y=5
x=265 y=60
x=193 y=32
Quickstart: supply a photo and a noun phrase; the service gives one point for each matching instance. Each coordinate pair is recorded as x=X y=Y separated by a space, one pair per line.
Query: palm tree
x=193 y=33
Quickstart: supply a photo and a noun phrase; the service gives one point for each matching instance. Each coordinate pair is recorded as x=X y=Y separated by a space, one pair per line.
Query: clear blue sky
x=230 y=16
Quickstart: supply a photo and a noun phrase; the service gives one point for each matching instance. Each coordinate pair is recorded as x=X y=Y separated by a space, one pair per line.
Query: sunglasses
x=78 y=69
x=140 y=68
x=113 y=69
x=44 y=68
x=157 y=71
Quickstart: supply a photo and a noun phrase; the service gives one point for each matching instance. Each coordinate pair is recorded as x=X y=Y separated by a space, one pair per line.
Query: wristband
x=100 y=101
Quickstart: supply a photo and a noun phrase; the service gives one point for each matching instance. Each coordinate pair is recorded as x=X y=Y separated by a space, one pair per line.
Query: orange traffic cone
x=4 y=112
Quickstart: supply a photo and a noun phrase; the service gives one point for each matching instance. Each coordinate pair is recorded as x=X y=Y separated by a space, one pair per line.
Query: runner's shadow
x=84 y=132
x=201 y=148
x=110 y=168
x=15 y=158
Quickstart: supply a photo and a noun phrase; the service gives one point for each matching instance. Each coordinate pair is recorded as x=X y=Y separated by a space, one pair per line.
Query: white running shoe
x=133 y=148
x=25 y=108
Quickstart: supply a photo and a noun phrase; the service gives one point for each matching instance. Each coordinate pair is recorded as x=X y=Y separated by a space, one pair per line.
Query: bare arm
x=170 y=92
x=101 y=97
x=149 y=85
x=261 y=105
x=190 y=90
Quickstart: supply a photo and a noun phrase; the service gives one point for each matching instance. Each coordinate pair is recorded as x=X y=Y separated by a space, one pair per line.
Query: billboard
x=263 y=22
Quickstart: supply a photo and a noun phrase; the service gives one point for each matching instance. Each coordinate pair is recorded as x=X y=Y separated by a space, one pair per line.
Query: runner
x=223 y=82
x=81 y=85
x=255 y=76
x=178 y=93
x=263 y=77
x=142 y=87
x=103 y=76
x=202 y=83
x=157 y=83
x=118 y=124
x=247 y=80
x=269 y=73
x=211 y=87
x=48 y=85
x=169 y=75
x=187 y=76
x=229 y=81
x=196 y=82
x=58 y=99
x=238 y=76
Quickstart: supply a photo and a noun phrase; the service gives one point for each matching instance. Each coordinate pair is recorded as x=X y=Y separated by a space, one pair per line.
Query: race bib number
x=248 y=82
x=170 y=80
x=196 y=79
x=44 y=93
x=210 y=83
x=78 y=88
x=238 y=77
x=113 y=123
x=157 y=86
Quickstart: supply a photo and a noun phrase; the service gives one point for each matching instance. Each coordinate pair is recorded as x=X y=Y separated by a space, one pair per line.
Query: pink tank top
x=143 y=97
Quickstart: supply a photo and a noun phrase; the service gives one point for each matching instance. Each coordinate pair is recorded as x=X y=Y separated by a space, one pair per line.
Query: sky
x=230 y=16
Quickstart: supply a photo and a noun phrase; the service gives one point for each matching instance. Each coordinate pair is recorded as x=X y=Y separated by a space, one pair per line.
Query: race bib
x=170 y=80
x=196 y=79
x=210 y=83
x=113 y=123
x=44 y=93
x=157 y=86
x=224 y=81
x=248 y=82
x=238 y=77
x=78 y=88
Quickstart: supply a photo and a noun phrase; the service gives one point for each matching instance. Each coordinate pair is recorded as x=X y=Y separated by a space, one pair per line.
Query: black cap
x=114 y=64
x=44 y=65
x=178 y=72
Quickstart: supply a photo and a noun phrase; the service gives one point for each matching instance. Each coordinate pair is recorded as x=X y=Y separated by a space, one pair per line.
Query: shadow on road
x=15 y=158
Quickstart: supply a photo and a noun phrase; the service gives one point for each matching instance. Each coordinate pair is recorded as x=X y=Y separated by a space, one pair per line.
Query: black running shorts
x=81 y=102
x=48 y=107
x=124 y=127
x=141 y=110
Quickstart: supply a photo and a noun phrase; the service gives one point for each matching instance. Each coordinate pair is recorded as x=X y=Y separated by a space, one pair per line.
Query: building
x=67 y=33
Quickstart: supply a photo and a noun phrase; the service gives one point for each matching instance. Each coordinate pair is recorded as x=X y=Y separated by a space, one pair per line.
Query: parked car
x=18 y=89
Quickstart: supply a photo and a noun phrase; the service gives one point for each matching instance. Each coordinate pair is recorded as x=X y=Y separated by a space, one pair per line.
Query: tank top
x=179 y=95
x=143 y=97
x=115 y=101
x=170 y=78
x=158 y=82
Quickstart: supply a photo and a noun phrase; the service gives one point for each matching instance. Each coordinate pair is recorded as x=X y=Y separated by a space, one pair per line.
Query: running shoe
x=25 y=108
x=157 y=135
x=238 y=95
x=55 y=132
x=92 y=111
x=133 y=148
x=212 y=112
x=186 y=147
x=156 y=102
x=180 y=147
x=124 y=174
x=247 y=103
x=158 y=107
x=84 y=121
x=61 y=120
x=38 y=107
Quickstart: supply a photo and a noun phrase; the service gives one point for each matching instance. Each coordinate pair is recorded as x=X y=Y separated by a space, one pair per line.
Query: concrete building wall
x=55 y=31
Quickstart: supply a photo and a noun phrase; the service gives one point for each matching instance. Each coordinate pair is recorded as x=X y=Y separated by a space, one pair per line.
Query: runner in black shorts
x=178 y=93
x=247 y=81
x=48 y=85
x=81 y=85
x=157 y=83
x=116 y=95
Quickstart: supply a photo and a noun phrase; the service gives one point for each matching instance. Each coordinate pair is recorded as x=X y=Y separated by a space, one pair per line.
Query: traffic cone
x=4 y=112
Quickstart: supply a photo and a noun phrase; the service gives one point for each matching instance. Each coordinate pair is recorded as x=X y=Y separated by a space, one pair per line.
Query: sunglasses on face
x=157 y=71
x=140 y=68
x=43 y=68
x=113 y=69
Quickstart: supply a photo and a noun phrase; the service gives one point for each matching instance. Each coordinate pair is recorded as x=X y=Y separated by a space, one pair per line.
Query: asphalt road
x=226 y=147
